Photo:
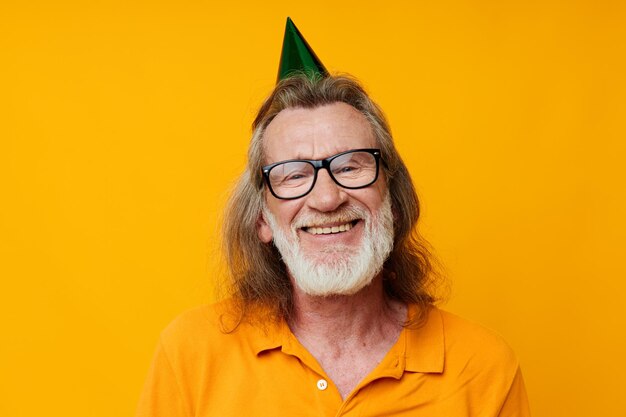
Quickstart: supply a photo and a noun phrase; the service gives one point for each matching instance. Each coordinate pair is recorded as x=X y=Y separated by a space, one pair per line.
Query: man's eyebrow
x=331 y=154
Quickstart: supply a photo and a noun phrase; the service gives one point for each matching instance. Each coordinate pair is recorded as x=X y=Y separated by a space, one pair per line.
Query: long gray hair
x=258 y=277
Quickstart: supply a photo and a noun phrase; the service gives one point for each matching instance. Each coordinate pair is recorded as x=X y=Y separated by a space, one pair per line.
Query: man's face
x=316 y=134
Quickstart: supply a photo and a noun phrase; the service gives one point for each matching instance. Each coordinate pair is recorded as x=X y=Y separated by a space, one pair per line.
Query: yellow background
x=123 y=125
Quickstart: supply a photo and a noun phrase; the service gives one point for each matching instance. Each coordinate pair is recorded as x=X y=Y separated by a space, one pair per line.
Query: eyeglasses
x=295 y=178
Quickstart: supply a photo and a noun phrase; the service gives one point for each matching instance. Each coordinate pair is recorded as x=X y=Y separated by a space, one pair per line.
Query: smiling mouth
x=328 y=230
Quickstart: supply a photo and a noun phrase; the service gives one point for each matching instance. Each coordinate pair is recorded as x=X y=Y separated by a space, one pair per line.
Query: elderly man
x=330 y=311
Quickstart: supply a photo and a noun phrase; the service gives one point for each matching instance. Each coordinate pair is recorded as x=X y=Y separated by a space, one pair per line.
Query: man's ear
x=263 y=229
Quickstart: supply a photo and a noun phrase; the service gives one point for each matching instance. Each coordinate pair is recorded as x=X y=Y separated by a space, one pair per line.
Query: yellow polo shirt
x=448 y=367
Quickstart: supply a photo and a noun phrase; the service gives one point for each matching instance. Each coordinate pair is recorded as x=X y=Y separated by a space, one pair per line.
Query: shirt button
x=322 y=384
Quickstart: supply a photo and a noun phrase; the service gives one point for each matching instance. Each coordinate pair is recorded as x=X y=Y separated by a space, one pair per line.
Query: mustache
x=341 y=215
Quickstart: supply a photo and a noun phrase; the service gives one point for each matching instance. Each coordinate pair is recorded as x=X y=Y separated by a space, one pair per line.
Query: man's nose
x=326 y=194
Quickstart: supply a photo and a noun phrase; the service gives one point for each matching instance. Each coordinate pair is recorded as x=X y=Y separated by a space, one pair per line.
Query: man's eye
x=346 y=169
x=295 y=176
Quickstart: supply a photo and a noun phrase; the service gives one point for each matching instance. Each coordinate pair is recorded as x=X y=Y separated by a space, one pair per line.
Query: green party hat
x=297 y=55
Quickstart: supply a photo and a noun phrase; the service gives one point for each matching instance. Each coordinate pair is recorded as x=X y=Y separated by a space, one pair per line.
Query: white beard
x=336 y=269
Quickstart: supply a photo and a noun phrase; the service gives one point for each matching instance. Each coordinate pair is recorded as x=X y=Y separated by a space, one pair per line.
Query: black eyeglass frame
x=319 y=164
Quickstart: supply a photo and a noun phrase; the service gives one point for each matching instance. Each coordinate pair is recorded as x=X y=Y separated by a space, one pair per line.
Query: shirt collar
x=268 y=336
x=425 y=344
x=423 y=351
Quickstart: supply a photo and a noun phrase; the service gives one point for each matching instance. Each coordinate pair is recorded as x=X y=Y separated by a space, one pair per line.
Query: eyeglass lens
x=296 y=178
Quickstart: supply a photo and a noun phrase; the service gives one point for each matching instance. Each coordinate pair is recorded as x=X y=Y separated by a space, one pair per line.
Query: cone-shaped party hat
x=297 y=55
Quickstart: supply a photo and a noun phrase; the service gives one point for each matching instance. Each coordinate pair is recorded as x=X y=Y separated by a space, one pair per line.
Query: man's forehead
x=317 y=132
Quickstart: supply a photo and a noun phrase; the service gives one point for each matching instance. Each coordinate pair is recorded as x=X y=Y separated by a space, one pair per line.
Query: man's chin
x=333 y=290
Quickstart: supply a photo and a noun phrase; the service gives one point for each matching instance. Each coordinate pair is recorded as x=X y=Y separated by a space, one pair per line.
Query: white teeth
x=328 y=230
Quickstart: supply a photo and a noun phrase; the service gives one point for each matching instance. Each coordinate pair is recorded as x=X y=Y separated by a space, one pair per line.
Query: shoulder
x=201 y=321
x=198 y=332
x=466 y=335
x=211 y=331
x=189 y=334
x=471 y=348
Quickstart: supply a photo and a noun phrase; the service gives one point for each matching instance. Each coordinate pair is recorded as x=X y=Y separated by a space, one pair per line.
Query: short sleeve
x=516 y=402
x=161 y=396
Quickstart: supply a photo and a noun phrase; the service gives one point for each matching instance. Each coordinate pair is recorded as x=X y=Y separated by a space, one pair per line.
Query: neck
x=366 y=313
